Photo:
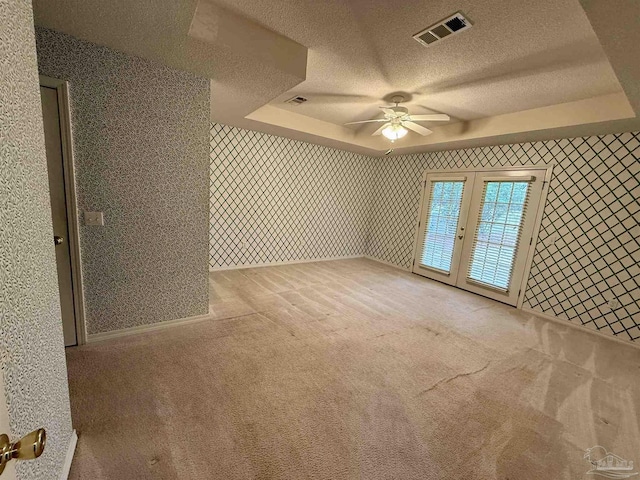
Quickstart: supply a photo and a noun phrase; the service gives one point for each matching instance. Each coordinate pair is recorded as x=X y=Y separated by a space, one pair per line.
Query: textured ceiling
x=520 y=56
x=159 y=30
x=618 y=30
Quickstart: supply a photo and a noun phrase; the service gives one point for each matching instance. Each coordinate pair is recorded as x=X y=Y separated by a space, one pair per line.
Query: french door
x=476 y=229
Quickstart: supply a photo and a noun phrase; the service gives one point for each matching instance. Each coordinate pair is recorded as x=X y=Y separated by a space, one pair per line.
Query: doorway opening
x=65 y=236
x=477 y=229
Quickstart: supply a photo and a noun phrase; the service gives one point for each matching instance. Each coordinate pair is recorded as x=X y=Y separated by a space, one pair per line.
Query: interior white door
x=445 y=205
x=59 y=214
x=500 y=227
x=476 y=229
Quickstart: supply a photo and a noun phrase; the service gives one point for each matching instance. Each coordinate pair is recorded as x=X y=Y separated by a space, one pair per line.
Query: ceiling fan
x=397 y=120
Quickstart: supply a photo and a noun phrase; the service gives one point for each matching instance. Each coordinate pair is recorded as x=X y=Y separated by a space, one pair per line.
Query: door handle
x=27 y=448
x=58 y=240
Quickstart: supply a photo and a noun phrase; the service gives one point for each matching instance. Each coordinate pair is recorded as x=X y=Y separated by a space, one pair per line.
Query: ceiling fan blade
x=368 y=121
x=416 y=128
x=379 y=131
x=436 y=117
x=388 y=111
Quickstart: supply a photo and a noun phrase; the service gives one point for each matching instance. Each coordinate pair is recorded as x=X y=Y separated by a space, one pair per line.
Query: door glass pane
x=497 y=234
x=442 y=224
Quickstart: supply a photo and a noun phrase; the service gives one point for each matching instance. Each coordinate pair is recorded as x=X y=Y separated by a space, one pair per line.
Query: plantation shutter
x=497 y=235
x=445 y=199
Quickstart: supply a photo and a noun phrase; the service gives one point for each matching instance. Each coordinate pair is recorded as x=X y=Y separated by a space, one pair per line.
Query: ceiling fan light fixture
x=394 y=132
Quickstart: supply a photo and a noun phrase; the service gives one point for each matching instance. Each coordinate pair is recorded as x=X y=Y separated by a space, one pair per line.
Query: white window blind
x=498 y=230
x=445 y=200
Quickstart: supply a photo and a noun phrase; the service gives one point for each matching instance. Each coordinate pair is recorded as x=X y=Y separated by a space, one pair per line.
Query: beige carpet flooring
x=352 y=370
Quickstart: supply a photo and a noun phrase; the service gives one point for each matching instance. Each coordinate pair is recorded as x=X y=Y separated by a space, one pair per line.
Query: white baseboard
x=125 y=332
x=98 y=337
x=152 y=327
x=290 y=262
x=388 y=263
x=66 y=468
x=582 y=328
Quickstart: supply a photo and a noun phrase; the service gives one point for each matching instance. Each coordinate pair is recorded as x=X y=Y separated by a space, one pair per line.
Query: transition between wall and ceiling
x=525 y=71
x=140 y=157
x=557 y=72
x=276 y=200
x=587 y=251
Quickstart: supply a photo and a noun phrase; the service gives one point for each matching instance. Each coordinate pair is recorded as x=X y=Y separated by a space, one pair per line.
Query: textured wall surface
x=592 y=207
x=140 y=146
x=30 y=322
x=280 y=200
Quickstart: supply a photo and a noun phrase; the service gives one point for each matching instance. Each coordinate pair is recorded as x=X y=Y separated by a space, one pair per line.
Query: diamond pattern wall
x=593 y=211
x=588 y=250
x=279 y=200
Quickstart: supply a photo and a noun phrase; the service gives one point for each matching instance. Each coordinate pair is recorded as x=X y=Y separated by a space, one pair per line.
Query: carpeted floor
x=352 y=370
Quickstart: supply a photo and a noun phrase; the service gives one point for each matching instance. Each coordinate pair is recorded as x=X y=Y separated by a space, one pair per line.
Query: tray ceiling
x=524 y=66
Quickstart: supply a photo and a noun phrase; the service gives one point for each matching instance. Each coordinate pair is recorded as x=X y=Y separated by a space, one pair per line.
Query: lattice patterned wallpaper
x=592 y=208
x=279 y=200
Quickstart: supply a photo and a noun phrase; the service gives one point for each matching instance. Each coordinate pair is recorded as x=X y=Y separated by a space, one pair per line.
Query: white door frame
x=538 y=213
x=64 y=112
x=448 y=278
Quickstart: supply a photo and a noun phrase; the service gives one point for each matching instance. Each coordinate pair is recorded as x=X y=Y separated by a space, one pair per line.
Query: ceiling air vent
x=449 y=26
x=295 y=101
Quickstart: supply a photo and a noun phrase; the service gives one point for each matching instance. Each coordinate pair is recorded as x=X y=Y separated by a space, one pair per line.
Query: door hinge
x=519 y=292
x=531 y=241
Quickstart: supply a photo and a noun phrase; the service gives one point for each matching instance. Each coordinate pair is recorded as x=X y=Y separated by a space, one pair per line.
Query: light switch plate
x=94 y=218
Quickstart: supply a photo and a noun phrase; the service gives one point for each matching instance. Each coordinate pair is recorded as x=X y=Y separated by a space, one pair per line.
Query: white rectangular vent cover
x=295 y=101
x=449 y=26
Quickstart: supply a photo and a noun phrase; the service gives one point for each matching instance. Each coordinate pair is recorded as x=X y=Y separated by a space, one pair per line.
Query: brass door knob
x=27 y=448
x=58 y=240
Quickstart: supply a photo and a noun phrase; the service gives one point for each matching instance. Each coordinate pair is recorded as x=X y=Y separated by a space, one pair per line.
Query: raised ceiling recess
x=534 y=70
